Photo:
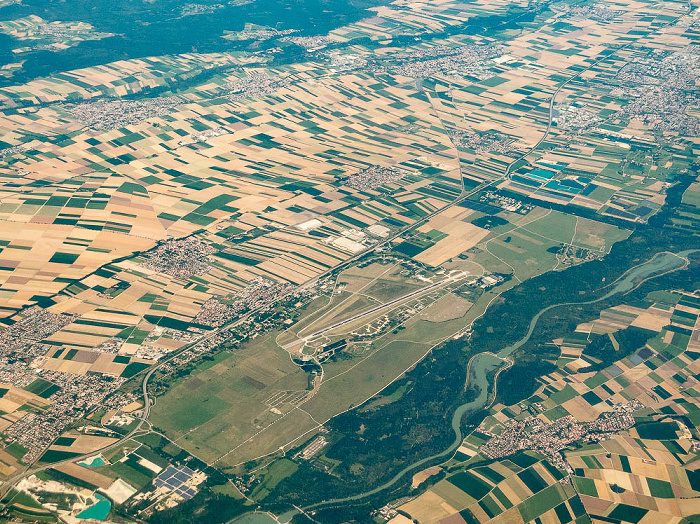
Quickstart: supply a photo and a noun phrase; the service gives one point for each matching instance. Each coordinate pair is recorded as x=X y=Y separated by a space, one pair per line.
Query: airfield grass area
x=213 y=213
x=237 y=409
x=362 y=289
x=230 y=394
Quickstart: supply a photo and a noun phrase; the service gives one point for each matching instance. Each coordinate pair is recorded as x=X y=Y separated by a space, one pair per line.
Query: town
x=574 y=119
x=22 y=340
x=471 y=60
x=532 y=433
x=218 y=311
x=373 y=177
x=254 y=85
x=106 y=114
x=481 y=142
x=180 y=258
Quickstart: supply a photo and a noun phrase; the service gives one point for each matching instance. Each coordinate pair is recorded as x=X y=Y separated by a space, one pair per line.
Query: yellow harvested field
x=84 y=443
x=461 y=236
x=130 y=408
x=8 y=463
x=422 y=476
x=400 y=519
x=85 y=474
x=652 y=318
x=428 y=507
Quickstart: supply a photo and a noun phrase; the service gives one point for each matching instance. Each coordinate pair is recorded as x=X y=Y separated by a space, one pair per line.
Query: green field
x=470 y=484
x=217 y=408
x=542 y=502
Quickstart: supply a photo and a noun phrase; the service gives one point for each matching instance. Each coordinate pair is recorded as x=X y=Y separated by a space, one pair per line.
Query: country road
x=14 y=479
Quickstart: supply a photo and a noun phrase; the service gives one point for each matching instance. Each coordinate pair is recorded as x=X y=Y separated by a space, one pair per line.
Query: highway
x=13 y=480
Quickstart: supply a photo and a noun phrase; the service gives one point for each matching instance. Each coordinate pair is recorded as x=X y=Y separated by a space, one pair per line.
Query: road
x=659 y=265
x=11 y=481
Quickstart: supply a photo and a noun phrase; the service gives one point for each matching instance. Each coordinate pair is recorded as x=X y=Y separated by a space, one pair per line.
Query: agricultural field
x=53 y=36
x=642 y=353
x=243 y=253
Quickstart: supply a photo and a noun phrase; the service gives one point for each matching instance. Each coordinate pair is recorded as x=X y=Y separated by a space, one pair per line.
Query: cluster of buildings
x=111 y=345
x=218 y=311
x=374 y=176
x=569 y=255
x=589 y=12
x=486 y=281
x=310 y=43
x=12 y=150
x=533 y=433
x=17 y=373
x=180 y=258
x=255 y=84
x=114 y=114
x=664 y=109
x=662 y=90
x=509 y=204
x=21 y=339
x=203 y=137
x=78 y=395
x=352 y=240
x=151 y=350
x=465 y=60
x=481 y=142
x=119 y=420
x=255 y=32
x=386 y=513
x=677 y=70
x=198 y=9
x=313 y=448
x=574 y=119
x=60 y=31
x=346 y=61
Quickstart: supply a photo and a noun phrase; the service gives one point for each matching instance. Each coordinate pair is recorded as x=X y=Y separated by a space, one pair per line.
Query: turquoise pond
x=93 y=462
x=98 y=511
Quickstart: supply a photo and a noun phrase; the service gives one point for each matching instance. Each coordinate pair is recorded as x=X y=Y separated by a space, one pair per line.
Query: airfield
x=262 y=246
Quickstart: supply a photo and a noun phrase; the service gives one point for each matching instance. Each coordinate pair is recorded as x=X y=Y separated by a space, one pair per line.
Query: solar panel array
x=174 y=478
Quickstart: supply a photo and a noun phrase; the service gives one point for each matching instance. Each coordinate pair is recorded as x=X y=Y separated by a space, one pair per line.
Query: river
x=483 y=364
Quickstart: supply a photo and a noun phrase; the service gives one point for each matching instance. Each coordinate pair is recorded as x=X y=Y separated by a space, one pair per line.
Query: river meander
x=483 y=365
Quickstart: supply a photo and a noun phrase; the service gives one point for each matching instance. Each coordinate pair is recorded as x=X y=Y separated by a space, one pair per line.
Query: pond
x=98 y=511
x=93 y=462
